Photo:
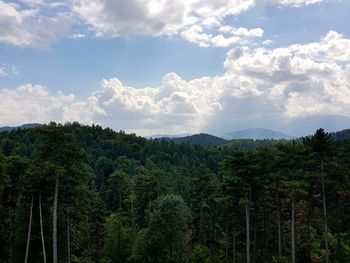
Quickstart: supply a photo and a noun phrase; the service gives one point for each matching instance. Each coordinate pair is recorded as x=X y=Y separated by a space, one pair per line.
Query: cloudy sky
x=177 y=66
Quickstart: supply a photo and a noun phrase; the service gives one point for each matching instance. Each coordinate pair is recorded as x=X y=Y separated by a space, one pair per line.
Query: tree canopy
x=76 y=193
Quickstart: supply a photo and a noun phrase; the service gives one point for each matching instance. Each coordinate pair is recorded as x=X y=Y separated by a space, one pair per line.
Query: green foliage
x=118 y=239
x=123 y=198
x=167 y=234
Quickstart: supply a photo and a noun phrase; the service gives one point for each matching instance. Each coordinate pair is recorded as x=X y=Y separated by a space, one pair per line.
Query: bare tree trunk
x=226 y=230
x=325 y=213
x=42 y=229
x=293 y=231
x=233 y=243
x=119 y=232
x=29 y=230
x=99 y=245
x=255 y=236
x=68 y=238
x=247 y=219
x=54 y=223
x=279 y=226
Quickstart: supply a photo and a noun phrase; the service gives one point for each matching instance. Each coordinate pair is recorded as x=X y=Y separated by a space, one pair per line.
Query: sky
x=177 y=66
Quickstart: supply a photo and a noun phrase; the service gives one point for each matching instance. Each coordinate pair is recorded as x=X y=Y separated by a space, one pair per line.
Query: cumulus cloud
x=154 y=17
x=28 y=27
x=38 y=23
x=303 y=79
x=260 y=87
x=233 y=36
x=294 y=3
x=283 y=83
x=34 y=103
x=192 y=20
x=173 y=105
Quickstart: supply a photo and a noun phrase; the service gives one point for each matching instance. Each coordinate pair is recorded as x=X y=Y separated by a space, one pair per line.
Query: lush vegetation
x=73 y=193
x=202 y=139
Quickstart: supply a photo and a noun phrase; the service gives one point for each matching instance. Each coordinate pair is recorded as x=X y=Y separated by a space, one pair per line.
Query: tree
x=62 y=160
x=117 y=239
x=290 y=159
x=245 y=170
x=321 y=144
x=167 y=234
x=118 y=189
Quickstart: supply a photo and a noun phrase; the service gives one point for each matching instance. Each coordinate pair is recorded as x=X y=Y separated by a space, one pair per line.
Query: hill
x=249 y=144
x=24 y=126
x=202 y=139
x=160 y=136
x=256 y=134
x=343 y=135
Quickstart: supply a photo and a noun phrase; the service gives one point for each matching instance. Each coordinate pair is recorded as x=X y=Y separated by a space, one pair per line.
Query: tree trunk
x=233 y=243
x=255 y=235
x=29 y=230
x=293 y=231
x=247 y=219
x=42 y=229
x=54 y=224
x=226 y=230
x=279 y=226
x=132 y=213
x=68 y=239
x=325 y=213
x=119 y=232
x=99 y=245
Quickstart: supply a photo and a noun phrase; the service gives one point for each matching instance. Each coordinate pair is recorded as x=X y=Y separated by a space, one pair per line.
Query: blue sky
x=157 y=66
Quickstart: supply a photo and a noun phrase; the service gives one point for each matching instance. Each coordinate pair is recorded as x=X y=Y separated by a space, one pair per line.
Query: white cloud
x=77 y=36
x=27 y=27
x=260 y=85
x=33 y=2
x=155 y=17
x=294 y=3
x=34 y=103
x=172 y=106
x=38 y=23
x=236 y=36
x=303 y=79
x=190 y=19
x=267 y=42
x=241 y=31
x=8 y=70
x=2 y=72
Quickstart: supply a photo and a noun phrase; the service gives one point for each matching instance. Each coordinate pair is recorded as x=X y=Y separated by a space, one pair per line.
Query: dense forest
x=75 y=193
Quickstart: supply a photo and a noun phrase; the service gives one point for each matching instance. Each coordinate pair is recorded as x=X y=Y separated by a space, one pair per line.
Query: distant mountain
x=158 y=136
x=256 y=134
x=343 y=135
x=202 y=139
x=24 y=126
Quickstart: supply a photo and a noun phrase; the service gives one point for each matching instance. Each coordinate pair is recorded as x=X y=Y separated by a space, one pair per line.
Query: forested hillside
x=74 y=193
x=202 y=139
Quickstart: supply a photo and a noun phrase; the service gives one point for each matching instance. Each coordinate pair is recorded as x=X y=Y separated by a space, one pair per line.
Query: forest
x=83 y=194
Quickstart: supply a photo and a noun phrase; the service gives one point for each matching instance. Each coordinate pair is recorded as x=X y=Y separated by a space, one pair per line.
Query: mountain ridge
x=256 y=134
x=201 y=139
x=23 y=126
